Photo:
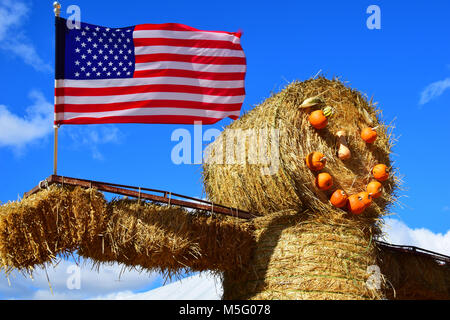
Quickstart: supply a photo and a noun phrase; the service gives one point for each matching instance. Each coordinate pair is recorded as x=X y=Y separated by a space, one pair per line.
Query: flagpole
x=57 y=11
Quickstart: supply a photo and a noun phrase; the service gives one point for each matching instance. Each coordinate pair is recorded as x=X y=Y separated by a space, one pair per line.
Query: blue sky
x=405 y=65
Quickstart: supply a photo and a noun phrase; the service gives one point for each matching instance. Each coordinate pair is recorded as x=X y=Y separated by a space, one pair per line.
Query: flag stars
x=102 y=53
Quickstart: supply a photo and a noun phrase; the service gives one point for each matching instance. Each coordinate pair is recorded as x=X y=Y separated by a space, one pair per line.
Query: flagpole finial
x=56 y=8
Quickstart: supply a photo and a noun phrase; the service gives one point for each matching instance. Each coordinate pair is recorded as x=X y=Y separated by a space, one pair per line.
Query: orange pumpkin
x=339 y=198
x=375 y=189
x=366 y=198
x=324 y=181
x=315 y=161
x=356 y=204
x=380 y=172
x=369 y=135
x=318 y=119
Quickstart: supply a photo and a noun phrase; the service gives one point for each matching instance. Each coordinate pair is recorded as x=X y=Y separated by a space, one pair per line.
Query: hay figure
x=302 y=247
x=258 y=164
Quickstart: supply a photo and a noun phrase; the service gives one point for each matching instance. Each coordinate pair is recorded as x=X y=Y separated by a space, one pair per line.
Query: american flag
x=148 y=73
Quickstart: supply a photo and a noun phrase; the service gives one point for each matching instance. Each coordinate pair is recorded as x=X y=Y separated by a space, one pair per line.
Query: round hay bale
x=300 y=257
x=258 y=162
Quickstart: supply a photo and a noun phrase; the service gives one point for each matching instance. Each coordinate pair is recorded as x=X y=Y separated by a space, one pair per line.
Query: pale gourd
x=343 y=151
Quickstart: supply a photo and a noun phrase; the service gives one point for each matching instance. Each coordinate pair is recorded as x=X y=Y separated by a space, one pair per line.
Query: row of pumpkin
x=316 y=161
x=355 y=203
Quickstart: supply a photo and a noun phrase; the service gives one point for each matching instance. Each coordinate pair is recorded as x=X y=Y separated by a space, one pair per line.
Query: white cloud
x=36 y=123
x=397 y=232
x=11 y=14
x=17 y=131
x=92 y=137
x=109 y=279
x=201 y=286
x=27 y=52
x=13 y=40
x=434 y=90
